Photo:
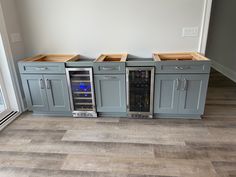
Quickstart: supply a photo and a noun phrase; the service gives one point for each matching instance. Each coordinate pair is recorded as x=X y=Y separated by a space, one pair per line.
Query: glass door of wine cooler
x=140 y=83
x=80 y=81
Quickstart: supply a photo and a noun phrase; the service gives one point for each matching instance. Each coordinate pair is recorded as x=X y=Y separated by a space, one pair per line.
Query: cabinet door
x=166 y=93
x=193 y=93
x=35 y=92
x=110 y=93
x=57 y=92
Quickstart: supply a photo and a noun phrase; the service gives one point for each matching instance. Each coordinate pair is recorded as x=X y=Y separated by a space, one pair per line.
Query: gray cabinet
x=57 y=92
x=180 y=94
x=193 y=94
x=35 y=93
x=166 y=93
x=110 y=93
x=46 y=93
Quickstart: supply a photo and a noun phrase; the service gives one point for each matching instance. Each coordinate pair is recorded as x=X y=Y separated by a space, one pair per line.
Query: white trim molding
x=205 y=26
x=224 y=70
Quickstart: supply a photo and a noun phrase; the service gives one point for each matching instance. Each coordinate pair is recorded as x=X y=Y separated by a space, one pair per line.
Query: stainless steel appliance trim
x=152 y=69
x=68 y=70
x=75 y=113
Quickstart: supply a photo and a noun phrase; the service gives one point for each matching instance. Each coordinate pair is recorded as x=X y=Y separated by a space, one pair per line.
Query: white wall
x=91 y=27
x=13 y=26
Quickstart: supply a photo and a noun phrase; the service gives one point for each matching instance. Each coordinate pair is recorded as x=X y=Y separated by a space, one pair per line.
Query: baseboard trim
x=229 y=73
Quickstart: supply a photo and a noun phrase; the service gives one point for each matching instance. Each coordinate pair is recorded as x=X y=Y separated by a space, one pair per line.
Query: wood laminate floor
x=48 y=147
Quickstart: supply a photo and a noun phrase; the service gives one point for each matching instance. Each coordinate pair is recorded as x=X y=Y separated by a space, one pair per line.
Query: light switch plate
x=16 y=37
x=190 y=32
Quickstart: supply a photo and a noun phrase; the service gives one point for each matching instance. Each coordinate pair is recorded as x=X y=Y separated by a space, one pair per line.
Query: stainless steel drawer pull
x=182 y=67
x=48 y=84
x=179 y=68
x=42 y=86
x=41 y=68
x=109 y=68
x=109 y=77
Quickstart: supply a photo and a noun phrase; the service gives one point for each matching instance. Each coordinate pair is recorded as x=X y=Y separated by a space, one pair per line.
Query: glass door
x=4 y=104
x=140 y=82
x=81 y=92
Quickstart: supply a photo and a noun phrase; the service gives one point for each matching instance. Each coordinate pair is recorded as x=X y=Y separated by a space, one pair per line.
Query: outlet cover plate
x=190 y=32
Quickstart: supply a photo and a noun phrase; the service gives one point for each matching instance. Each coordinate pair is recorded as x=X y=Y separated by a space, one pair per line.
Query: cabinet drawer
x=183 y=67
x=40 y=67
x=109 y=68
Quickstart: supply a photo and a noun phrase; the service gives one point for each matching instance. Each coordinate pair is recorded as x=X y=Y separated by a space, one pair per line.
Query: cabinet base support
x=120 y=115
x=177 y=116
x=53 y=114
x=112 y=114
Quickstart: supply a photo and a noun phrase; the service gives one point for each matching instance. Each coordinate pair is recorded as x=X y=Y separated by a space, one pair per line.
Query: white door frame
x=205 y=26
x=10 y=62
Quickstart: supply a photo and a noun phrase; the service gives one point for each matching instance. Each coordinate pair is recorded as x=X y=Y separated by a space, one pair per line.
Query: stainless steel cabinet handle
x=109 y=68
x=182 y=67
x=185 y=85
x=41 y=68
x=42 y=86
x=179 y=68
x=48 y=82
x=109 y=77
x=178 y=84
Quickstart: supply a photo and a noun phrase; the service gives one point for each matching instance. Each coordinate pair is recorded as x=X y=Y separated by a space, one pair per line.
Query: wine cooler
x=140 y=86
x=80 y=82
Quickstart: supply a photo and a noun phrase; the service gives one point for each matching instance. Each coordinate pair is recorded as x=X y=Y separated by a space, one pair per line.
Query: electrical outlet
x=190 y=32
x=16 y=37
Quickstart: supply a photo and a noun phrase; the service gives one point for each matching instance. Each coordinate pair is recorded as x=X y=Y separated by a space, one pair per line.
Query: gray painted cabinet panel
x=193 y=93
x=166 y=93
x=57 y=92
x=109 y=67
x=110 y=93
x=34 y=88
x=183 y=67
x=41 y=67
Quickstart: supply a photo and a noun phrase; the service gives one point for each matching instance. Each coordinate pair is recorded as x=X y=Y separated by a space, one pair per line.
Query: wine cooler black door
x=139 y=90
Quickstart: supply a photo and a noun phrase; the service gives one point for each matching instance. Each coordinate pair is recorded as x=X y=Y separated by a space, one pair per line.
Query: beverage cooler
x=140 y=87
x=80 y=82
